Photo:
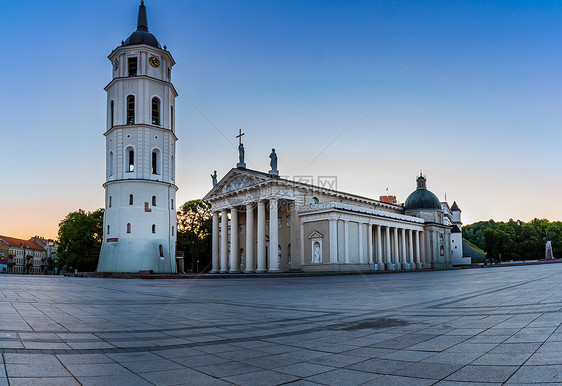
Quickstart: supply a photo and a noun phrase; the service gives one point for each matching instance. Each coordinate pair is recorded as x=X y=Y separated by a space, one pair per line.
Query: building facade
x=263 y=223
x=22 y=256
x=140 y=191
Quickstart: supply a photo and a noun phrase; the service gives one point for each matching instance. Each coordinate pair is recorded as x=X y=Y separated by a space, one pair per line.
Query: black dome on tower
x=422 y=198
x=141 y=35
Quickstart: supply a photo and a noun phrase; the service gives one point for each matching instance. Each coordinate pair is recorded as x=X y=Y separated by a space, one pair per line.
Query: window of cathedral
x=108 y=229
x=172 y=117
x=110 y=163
x=153 y=228
x=129 y=228
x=130 y=199
x=112 y=112
x=155 y=111
x=173 y=169
x=161 y=250
x=155 y=163
x=132 y=62
x=131 y=153
x=131 y=110
x=109 y=202
x=172 y=231
x=172 y=203
x=153 y=200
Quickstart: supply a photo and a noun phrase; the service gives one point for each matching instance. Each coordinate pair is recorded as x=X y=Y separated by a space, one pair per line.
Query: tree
x=194 y=234
x=79 y=238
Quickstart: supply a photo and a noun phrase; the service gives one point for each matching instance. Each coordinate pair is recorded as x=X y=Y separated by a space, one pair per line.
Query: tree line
x=80 y=237
x=514 y=240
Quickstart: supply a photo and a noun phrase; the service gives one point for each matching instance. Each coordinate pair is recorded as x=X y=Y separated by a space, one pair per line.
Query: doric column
x=379 y=248
x=370 y=242
x=387 y=257
x=273 y=236
x=234 y=244
x=262 y=264
x=418 y=250
x=346 y=240
x=250 y=257
x=333 y=224
x=224 y=241
x=361 y=257
x=396 y=252
x=303 y=261
x=403 y=257
x=216 y=257
x=411 y=249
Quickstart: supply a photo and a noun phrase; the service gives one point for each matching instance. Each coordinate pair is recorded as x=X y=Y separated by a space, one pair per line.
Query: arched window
x=108 y=229
x=161 y=250
x=172 y=203
x=131 y=159
x=172 y=231
x=172 y=117
x=155 y=163
x=112 y=112
x=129 y=228
x=173 y=169
x=110 y=201
x=153 y=200
x=153 y=228
x=131 y=110
x=130 y=199
x=155 y=111
x=110 y=163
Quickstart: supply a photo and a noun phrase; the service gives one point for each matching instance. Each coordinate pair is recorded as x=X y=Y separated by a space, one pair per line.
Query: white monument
x=140 y=191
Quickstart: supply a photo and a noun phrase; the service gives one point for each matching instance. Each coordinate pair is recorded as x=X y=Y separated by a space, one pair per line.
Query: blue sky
x=477 y=109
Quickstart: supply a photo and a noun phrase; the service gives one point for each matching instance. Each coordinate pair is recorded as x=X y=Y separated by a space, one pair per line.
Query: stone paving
x=497 y=325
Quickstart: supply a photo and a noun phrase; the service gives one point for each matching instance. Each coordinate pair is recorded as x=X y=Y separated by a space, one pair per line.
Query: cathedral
x=261 y=222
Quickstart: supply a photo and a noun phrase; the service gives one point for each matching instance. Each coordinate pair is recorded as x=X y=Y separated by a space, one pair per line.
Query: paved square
x=498 y=325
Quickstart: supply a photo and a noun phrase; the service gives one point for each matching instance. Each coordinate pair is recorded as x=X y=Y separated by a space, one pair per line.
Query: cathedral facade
x=264 y=223
x=140 y=217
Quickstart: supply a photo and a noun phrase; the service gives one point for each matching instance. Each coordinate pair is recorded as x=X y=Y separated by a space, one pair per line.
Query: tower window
x=172 y=117
x=172 y=231
x=130 y=199
x=153 y=200
x=132 y=66
x=169 y=74
x=153 y=228
x=129 y=228
x=131 y=167
x=110 y=163
x=172 y=203
x=131 y=110
x=173 y=169
x=108 y=229
x=155 y=162
x=161 y=250
x=155 y=111
x=112 y=112
x=110 y=201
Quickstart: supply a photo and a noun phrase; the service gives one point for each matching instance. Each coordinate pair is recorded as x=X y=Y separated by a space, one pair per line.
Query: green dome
x=422 y=198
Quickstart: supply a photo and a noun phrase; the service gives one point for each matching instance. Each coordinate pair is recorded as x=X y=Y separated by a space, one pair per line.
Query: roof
x=422 y=198
x=455 y=207
x=14 y=242
x=142 y=35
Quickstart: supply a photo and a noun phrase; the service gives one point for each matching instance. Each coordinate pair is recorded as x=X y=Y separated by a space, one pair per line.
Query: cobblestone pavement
x=497 y=325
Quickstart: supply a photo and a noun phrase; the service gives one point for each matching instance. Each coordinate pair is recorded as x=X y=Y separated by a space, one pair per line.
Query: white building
x=456 y=237
x=140 y=190
x=263 y=223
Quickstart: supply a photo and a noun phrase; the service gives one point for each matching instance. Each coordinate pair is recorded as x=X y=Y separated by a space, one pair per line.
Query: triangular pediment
x=315 y=235
x=236 y=180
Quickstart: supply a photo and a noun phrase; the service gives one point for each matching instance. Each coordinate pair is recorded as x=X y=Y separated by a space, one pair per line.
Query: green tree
x=194 y=234
x=80 y=237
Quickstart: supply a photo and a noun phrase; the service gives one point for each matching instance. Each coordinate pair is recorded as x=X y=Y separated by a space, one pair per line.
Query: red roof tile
x=12 y=241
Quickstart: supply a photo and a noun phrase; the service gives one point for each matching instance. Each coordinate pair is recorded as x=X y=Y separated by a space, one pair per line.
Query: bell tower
x=140 y=191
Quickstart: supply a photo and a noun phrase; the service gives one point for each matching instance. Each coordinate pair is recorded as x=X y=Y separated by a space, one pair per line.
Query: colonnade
x=394 y=247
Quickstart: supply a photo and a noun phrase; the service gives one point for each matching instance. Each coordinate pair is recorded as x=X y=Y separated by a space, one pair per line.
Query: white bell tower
x=140 y=192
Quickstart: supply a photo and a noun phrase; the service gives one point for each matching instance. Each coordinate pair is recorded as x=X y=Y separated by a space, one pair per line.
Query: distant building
x=23 y=256
x=50 y=247
x=388 y=199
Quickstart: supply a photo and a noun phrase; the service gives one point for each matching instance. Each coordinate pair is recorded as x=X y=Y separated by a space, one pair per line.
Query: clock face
x=154 y=61
x=115 y=65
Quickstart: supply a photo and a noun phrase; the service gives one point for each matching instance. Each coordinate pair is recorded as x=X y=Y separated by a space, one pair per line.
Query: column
x=262 y=264
x=234 y=244
x=346 y=240
x=403 y=257
x=418 y=250
x=396 y=252
x=303 y=261
x=216 y=257
x=250 y=258
x=379 y=248
x=370 y=242
x=411 y=249
x=361 y=257
x=224 y=241
x=333 y=224
x=273 y=236
x=387 y=258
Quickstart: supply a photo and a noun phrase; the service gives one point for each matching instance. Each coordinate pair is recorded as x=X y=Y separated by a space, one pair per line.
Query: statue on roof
x=273 y=163
x=214 y=177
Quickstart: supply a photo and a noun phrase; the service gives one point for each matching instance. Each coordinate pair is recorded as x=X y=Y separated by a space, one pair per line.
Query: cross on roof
x=239 y=136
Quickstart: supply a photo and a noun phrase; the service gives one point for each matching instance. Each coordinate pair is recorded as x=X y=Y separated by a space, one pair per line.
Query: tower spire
x=142 y=21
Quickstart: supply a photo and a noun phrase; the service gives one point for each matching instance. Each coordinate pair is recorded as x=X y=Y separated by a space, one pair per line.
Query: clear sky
x=478 y=109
